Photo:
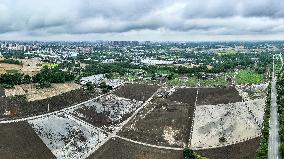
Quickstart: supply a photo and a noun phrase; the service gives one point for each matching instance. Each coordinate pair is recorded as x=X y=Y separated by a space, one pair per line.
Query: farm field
x=66 y=137
x=19 y=141
x=163 y=122
x=140 y=92
x=4 y=67
x=184 y=95
x=212 y=96
x=243 y=150
x=107 y=112
x=232 y=122
x=20 y=107
x=214 y=121
x=32 y=93
x=117 y=148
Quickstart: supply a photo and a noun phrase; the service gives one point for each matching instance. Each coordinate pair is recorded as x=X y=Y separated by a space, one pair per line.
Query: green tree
x=188 y=153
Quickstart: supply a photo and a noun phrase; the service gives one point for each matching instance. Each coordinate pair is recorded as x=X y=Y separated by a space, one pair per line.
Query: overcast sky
x=166 y=20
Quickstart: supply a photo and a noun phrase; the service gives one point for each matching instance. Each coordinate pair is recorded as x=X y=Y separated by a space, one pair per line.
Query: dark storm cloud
x=75 y=17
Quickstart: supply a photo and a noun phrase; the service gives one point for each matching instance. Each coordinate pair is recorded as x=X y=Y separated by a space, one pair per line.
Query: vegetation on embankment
x=262 y=151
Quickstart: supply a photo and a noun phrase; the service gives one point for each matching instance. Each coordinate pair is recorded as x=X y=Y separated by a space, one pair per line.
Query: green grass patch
x=167 y=57
x=192 y=82
x=248 y=77
x=175 y=82
x=12 y=71
x=218 y=81
x=49 y=65
x=227 y=53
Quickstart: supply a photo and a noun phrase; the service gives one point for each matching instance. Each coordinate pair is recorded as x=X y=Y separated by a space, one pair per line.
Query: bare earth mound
x=117 y=148
x=139 y=92
x=213 y=96
x=19 y=141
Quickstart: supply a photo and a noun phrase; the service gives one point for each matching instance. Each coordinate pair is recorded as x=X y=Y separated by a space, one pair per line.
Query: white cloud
x=104 y=19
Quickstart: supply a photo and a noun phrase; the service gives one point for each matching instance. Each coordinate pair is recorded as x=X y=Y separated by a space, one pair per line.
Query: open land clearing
x=65 y=137
x=107 y=112
x=19 y=141
x=163 y=122
x=233 y=122
x=161 y=127
x=4 y=67
x=250 y=92
x=31 y=66
x=184 y=95
x=16 y=107
x=117 y=148
x=32 y=93
x=215 y=96
x=140 y=92
x=243 y=150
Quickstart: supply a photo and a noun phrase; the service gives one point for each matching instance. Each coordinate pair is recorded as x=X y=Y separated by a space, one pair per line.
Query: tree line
x=43 y=78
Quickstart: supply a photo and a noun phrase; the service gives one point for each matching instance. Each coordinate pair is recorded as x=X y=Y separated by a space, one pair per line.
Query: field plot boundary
x=57 y=151
x=58 y=111
x=228 y=144
x=136 y=111
x=191 y=129
x=114 y=133
x=52 y=113
x=255 y=119
x=239 y=140
x=176 y=148
x=76 y=119
x=149 y=145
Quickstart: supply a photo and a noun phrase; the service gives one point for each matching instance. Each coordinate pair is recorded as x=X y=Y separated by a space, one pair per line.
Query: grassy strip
x=280 y=102
x=262 y=151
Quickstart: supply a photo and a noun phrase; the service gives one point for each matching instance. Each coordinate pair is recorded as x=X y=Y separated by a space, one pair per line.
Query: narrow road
x=273 y=144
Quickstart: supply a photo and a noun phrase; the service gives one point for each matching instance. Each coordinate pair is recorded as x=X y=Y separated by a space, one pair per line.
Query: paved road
x=273 y=145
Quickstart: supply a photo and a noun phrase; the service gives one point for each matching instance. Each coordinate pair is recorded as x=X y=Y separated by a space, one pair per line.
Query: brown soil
x=140 y=92
x=33 y=93
x=244 y=150
x=155 y=123
x=119 y=149
x=185 y=95
x=213 y=96
x=19 y=141
x=19 y=107
x=2 y=92
x=101 y=120
x=93 y=117
x=5 y=66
